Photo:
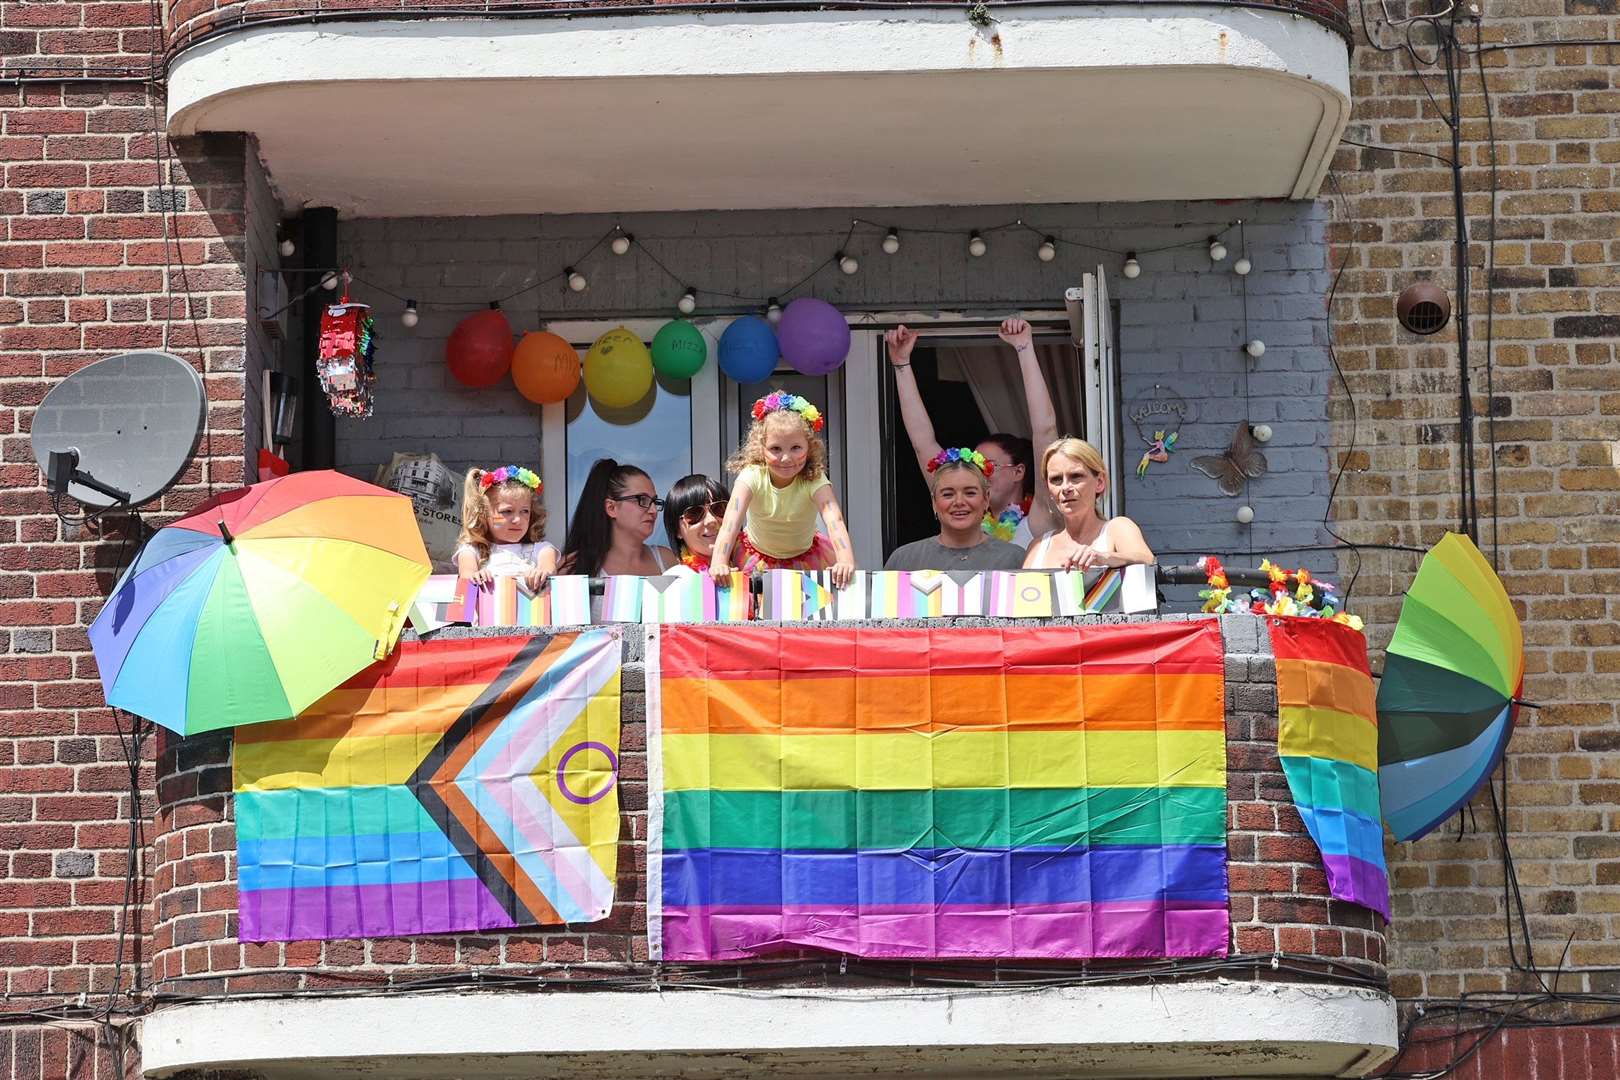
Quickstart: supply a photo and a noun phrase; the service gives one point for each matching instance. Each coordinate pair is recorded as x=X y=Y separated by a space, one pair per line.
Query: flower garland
x=962 y=456
x=1276 y=598
x=1005 y=525
x=697 y=562
x=780 y=401
x=510 y=474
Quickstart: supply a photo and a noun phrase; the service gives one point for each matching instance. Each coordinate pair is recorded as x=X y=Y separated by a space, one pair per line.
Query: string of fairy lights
x=846 y=256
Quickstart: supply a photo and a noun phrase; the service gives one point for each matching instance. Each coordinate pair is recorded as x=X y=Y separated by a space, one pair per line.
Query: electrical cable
x=1490 y=301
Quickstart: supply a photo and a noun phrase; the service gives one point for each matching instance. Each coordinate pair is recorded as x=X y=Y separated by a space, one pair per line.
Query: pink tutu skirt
x=820 y=556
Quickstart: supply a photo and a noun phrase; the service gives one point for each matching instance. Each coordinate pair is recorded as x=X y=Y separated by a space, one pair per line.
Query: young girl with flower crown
x=781 y=488
x=503 y=525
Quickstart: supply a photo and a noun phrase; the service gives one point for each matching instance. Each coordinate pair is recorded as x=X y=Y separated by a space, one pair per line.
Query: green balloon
x=679 y=350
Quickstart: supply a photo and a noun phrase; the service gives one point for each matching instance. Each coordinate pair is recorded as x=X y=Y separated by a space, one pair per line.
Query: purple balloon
x=813 y=335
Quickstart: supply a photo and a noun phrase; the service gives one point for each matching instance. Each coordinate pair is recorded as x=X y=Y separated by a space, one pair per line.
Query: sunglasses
x=693 y=515
x=646 y=502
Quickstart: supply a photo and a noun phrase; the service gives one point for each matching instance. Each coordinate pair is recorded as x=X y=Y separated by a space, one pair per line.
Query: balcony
x=384 y=110
x=1300 y=993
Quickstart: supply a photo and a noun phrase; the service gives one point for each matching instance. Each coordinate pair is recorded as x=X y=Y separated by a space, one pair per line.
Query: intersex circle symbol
x=562 y=770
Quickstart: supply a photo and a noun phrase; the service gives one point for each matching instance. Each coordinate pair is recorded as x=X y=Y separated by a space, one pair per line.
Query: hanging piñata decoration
x=348 y=348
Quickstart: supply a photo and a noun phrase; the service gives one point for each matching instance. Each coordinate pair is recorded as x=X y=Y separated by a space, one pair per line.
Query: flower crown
x=507 y=474
x=780 y=401
x=962 y=456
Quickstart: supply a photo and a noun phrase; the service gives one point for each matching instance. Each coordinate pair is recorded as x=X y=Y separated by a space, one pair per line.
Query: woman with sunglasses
x=612 y=522
x=692 y=514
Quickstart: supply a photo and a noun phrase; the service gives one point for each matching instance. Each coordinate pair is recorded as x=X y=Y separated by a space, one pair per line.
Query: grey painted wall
x=1181 y=324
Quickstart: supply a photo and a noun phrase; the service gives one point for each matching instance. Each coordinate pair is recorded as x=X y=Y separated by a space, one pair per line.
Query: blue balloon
x=748 y=350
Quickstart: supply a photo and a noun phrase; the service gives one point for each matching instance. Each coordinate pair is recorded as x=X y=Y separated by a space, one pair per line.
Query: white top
x=1100 y=545
x=511 y=560
x=1021 y=535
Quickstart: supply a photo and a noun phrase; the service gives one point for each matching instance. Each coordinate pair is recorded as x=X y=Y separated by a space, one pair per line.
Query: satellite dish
x=119 y=431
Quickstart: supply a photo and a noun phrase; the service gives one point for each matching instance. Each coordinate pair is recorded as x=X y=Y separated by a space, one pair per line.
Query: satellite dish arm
x=64 y=470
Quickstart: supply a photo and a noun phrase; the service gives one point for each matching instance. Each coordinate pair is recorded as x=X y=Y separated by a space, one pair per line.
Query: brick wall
x=1181 y=323
x=83 y=275
x=1557 y=405
x=1279 y=891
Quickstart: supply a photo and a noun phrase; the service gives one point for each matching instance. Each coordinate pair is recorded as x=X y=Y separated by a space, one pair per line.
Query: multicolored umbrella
x=1447 y=698
x=259 y=602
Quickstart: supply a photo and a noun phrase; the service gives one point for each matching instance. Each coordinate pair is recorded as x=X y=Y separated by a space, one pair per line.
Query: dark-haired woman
x=612 y=522
x=693 y=511
x=1015 y=514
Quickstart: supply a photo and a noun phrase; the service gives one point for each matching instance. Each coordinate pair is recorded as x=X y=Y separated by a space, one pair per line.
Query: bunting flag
x=570 y=599
x=1088 y=592
x=621 y=599
x=906 y=594
x=459 y=785
x=797 y=595
x=1053 y=792
x=1327 y=737
x=505 y=601
x=1021 y=594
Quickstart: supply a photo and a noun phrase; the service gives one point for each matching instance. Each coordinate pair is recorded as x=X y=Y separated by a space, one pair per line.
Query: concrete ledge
x=1214 y=1028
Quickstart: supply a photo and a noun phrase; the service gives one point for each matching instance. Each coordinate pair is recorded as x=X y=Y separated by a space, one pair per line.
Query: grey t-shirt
x=930 y=554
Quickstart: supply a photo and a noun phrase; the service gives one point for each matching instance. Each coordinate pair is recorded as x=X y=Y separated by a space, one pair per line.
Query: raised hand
x=900 y=342
x=1016 y=332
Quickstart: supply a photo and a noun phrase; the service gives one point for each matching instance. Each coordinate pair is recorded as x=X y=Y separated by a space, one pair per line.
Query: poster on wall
x=460 y=785
x=1050 y=792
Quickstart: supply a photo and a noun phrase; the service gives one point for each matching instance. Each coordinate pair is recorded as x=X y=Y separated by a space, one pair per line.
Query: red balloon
x=480 y=349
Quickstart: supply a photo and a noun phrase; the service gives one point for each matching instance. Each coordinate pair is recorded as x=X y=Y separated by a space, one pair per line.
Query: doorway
x=970 y=386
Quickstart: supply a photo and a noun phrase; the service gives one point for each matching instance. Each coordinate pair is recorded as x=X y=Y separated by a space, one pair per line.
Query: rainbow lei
x=962 y=456
x=694 y=560
x=506 y=473
x=1005 y=525
x=1276 y=598
x=781 y=401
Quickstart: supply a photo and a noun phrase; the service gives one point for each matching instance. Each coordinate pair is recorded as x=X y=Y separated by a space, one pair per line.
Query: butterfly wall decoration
x=1242 y=461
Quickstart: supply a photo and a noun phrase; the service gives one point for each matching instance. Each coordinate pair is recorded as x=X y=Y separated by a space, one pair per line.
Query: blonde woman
x=1076 y=478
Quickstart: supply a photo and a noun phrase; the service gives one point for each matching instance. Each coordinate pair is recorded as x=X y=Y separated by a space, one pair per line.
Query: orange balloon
x=545 y=368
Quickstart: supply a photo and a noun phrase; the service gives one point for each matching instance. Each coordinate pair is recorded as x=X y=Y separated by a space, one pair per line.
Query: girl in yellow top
x=781 y=488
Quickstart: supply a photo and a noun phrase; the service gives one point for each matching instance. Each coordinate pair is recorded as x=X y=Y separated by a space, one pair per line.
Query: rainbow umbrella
x=259 y=602
x=1447 y=698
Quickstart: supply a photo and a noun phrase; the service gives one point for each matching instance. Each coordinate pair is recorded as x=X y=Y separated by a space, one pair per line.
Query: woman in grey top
x=956 y=479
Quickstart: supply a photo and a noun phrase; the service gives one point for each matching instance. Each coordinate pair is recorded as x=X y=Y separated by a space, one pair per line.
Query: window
x=654 y=434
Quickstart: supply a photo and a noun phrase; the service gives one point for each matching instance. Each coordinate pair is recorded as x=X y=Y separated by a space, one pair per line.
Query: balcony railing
x=1322 y=959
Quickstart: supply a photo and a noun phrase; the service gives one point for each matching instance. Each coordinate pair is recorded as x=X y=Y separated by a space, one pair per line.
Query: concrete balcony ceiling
x=733 y=110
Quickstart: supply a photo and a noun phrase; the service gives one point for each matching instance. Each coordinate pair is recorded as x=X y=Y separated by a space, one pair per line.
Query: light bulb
x=1217 y=250
x=891 y=242
x=1245 y=514
x=1255 y=348
x=848 y=263
x=976 y=244
x=773 y=312
x=688 y=302
x=1048 y=249
x=1262 y=433
x=1242 y=266
x=1133 y=269
x=622 y=242
x=576 y=280
x=409 y=316
x=286 y=247
x=330 y=281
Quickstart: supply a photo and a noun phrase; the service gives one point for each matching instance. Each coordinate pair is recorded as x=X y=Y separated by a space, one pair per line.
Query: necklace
x=694 y=560
x=1003 y=526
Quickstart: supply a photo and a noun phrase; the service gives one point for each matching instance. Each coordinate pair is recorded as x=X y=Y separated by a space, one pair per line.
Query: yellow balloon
x=618 y=369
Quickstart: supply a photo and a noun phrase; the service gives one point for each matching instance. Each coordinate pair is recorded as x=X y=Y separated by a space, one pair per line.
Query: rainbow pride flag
x=1327 y=737
x=459 y=785
x=1055 y=792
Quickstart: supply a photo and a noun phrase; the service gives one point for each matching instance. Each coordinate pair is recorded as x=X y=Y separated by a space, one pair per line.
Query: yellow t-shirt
x=781 y=521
